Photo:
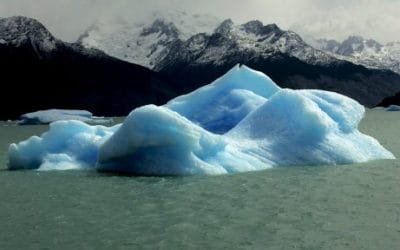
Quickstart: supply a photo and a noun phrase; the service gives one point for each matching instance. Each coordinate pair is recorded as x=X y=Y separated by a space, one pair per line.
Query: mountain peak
x=21 y=21
x=256 y=27
x=163 y=27
x=273 y=26
x=354 y=39
x=361 y=51
x=253 y=26
x=20 y=30
x=357 y=44
x=225 y=27
x=188 y=24
x=150 y=45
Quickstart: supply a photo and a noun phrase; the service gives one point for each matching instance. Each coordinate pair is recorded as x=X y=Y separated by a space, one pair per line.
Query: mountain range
x=190 y=60
x=366 y=52
x=117 y=66
x=145 y=43
x=40 y=72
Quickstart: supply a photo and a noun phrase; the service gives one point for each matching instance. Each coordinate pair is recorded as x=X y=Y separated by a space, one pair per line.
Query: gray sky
x=378 y=19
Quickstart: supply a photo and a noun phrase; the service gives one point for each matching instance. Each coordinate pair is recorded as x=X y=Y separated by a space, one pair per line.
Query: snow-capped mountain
x=87 y=78
x=283 y=55
x=149 y=43
x=366 y=52
x=21 y=31
x=250 y=40
x=193 y=56
x=42 y=72
x=351 y=46
x=146 y=43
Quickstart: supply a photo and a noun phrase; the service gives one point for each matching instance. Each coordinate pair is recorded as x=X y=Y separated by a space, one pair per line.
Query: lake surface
x=343 y=207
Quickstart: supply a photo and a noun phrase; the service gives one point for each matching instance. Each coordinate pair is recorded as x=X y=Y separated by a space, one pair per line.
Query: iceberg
x=52 y=115
x=241 y=122
x=67 y=145
x=393 y=108
x=219 y=106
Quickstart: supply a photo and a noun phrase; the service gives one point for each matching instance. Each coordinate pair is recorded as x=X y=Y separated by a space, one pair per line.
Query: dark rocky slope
x=39 y=71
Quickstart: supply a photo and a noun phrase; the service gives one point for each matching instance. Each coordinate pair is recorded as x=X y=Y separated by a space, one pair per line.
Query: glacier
x=241 y=122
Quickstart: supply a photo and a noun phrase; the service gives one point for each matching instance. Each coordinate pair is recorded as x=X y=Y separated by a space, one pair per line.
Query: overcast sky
x=378 y=19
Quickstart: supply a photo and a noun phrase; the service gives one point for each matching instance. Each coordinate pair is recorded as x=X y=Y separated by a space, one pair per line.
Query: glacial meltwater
x=337 y=207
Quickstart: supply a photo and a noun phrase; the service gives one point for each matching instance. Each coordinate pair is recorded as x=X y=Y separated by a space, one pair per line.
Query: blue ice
x=241 y=122
x=52 y=115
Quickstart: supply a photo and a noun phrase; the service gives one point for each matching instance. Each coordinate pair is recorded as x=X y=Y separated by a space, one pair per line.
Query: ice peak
x=249 y=79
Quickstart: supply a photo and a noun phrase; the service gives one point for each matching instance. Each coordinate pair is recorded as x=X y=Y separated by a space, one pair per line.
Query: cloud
x=319 y=18
x=373 y=19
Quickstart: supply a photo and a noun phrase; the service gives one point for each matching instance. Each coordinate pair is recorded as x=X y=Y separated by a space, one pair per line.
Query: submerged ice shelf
x=241 y=122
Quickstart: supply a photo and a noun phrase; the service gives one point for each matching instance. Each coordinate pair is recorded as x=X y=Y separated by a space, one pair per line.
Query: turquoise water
x=345 y=207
